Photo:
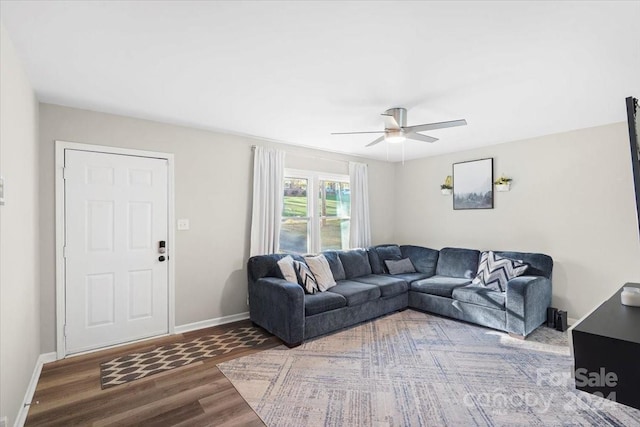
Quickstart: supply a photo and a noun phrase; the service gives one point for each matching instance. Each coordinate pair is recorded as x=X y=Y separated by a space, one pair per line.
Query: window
x=315 y=213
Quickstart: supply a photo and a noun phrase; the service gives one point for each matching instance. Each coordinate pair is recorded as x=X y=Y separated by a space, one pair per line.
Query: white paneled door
x=116 y=229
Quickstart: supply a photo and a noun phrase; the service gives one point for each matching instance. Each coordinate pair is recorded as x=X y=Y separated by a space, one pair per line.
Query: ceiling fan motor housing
x=399 y=115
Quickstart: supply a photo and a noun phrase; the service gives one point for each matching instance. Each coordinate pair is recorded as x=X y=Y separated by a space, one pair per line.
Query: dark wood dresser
x=606 y=342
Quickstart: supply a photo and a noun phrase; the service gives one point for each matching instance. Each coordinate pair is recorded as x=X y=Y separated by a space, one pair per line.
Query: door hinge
x=64 y=330
x=65 y=173
x=64 y=251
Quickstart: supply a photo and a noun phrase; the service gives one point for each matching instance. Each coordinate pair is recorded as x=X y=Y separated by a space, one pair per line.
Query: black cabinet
x=606 y=351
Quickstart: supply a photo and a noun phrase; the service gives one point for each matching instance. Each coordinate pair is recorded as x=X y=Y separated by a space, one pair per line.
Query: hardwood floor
x=69 y=393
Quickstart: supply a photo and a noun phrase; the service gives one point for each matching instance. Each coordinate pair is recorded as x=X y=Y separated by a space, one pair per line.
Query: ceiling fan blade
x=354 y=133
x=420 y=137
x=433 y=126
x=377 y=141
x=390 y=122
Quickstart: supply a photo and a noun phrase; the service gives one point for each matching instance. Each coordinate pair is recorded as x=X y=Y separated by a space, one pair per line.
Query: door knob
x=161 y=258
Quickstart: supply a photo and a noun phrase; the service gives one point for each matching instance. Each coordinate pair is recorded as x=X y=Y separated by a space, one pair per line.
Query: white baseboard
x=572 y=321
x=42 y=359
x=211 y=322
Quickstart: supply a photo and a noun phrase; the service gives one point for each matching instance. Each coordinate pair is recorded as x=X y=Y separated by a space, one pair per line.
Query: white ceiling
x=296 y=71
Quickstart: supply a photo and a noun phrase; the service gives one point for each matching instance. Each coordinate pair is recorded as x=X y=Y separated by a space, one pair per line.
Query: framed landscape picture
x=473 y=184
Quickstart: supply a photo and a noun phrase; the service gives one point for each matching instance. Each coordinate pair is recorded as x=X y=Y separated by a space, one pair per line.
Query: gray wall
x=572 y=197
x=19 y=287
x=213 y=177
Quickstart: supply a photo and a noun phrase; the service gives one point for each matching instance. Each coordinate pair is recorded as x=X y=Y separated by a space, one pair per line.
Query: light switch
x=183 y=224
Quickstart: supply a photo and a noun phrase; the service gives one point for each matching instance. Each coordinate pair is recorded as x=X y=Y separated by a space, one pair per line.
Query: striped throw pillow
x=305 y=277
x=495 y=271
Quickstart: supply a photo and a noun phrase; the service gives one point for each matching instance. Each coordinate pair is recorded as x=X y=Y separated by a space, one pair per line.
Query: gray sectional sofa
x=365 y=291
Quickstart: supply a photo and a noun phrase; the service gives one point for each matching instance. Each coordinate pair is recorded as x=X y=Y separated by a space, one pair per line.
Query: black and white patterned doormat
x=139 y=365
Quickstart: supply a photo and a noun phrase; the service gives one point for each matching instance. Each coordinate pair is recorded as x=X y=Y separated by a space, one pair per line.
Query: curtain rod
x=253 y=147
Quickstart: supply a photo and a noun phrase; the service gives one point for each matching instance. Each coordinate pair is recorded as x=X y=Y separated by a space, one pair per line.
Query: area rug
x=139 y=365
x=415 y=369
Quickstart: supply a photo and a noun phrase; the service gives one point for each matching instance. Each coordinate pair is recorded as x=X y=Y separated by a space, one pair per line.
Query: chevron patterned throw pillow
x=305 y=277
x=495 y=271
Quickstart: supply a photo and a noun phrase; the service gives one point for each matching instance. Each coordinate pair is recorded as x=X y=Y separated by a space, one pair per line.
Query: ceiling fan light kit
x=396 y=129
x=394 y=136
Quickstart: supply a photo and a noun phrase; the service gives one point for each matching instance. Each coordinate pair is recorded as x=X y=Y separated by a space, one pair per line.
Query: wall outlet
x=183 y=224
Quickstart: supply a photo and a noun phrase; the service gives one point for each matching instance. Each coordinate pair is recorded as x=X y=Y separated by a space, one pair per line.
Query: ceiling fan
x=396 y=129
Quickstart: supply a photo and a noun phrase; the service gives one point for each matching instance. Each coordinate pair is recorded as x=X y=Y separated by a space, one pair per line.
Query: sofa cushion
x=378 y=254
x=495 y=271
x=260 y=266
x=389 y=285
x=539 y=264
x=355 y=263
x=400 y=266
x=335 y=264
x=439 y=285
x=388 y=253
x=356 y=292
x=411 y=277
x=480 y=296
x=323 y=301
x=458 y=262
x=423 y=259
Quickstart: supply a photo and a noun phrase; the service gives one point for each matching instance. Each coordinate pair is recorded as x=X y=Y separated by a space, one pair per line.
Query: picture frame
x=473 y=184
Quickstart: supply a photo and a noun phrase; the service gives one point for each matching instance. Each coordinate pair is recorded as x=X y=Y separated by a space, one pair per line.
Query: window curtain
x=360 y=235
x=268 y=188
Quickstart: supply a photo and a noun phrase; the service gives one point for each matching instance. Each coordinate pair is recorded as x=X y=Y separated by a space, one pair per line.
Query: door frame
x=60 y=147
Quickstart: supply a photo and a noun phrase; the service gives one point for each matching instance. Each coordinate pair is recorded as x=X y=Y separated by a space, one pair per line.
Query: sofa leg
x=520 y=337
x=293 y=345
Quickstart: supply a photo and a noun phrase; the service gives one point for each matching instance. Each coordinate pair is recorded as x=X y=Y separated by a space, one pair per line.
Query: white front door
x=116 y=221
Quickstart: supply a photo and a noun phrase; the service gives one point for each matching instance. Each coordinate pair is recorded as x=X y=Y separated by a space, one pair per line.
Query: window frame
x=313 y=209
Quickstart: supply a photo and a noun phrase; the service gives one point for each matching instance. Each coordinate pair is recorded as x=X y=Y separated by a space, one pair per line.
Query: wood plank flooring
x=69 y=393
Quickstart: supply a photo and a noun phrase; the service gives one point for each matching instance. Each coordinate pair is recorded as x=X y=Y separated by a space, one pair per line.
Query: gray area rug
x=415 y=369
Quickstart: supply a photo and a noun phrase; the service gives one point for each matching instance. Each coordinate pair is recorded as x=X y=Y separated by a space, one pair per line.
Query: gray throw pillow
x=401 y=266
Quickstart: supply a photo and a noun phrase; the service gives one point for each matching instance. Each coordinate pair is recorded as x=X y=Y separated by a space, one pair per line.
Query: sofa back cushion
x=539 y=264
x=424 y=260
x=335 y=265
x=381 y=253
x=266 y=266
x=458 y=262
x=355 y=263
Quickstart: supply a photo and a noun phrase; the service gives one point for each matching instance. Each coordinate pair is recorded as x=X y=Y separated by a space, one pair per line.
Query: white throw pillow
x=287 y=270
x=319 y=266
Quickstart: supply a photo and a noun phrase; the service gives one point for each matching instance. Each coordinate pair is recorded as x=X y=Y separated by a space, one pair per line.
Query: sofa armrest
x=527 y=300
x=278 y=306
